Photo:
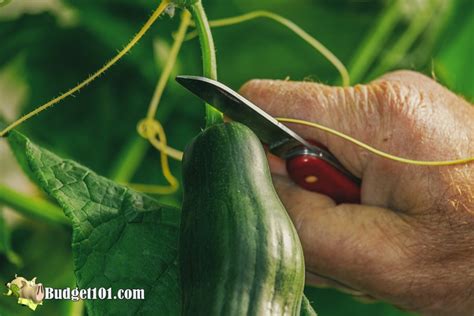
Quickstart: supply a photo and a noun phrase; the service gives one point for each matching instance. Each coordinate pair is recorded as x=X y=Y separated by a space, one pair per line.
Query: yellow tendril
x=156 y=14
x=293 y=27
x=170 y=62
x=152 y=130
x=374 y=150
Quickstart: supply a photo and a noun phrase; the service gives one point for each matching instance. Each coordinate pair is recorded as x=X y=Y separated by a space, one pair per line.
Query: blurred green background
x=49 y=46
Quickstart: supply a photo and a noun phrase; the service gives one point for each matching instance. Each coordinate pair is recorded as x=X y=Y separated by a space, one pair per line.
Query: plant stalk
x=132 y=155
x=213 y=116
x=374 y=42
x=33 y=206
x=129 y=160
x=405 y=42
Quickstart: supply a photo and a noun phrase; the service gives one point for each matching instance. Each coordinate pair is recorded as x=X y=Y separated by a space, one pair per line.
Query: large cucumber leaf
x=121 y=239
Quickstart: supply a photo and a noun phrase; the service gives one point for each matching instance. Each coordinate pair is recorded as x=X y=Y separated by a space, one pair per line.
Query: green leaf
x=306 y=308
x=15 y=290
x=46 y=253
x=121 y=239
x=334 y=303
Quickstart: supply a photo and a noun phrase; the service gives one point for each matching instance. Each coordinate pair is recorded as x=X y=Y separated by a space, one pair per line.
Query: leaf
x=334 y=303
x=121 y=239
x=306 y=308
x=46 y=253
x=14 y=290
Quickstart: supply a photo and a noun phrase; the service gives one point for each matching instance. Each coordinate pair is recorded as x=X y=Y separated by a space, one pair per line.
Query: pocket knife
x=309 y=164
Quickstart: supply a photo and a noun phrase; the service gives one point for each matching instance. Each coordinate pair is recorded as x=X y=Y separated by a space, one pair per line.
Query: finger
x=330 y=106
x=277 y=165
x=325 y=282
x=367 y=249
x=390 y=114
x=398 y=116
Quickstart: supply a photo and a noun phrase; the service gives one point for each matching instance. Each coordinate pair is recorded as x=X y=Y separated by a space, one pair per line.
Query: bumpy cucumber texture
x=239 y=251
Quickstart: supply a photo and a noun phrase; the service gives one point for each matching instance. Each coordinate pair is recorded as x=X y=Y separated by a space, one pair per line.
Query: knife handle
x=317 y=175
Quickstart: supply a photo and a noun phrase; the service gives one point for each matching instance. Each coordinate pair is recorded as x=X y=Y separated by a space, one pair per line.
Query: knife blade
x=280 y=139
x=306 y=162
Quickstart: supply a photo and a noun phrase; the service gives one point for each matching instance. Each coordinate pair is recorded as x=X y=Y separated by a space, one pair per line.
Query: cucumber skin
x=239 y=251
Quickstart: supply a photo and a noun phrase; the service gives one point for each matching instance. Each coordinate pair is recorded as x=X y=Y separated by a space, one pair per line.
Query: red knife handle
x=314 y=174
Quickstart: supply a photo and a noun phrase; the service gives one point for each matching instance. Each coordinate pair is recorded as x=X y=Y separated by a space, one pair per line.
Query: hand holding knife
x=309 y=164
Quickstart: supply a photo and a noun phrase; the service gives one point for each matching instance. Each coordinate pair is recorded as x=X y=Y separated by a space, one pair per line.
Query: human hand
x=411 y=241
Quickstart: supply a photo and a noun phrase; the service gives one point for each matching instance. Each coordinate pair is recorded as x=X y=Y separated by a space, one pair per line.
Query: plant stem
x=213 y=116
x=32 y=206
x=156 y=14
x=292 y=27
x=170 y=63
x=129 y=160
x=75 y=308
x=132 y=155
x=5 y=244
x=418 y=24
x=373 y=43
x=443 y=15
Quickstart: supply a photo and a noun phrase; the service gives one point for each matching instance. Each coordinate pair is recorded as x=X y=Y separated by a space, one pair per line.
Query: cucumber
x=239 y=251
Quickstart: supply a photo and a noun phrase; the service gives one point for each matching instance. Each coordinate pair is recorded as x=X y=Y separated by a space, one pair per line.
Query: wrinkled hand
x=411 y=242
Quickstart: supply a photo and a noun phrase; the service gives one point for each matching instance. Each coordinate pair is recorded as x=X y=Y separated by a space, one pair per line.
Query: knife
x=309 y=164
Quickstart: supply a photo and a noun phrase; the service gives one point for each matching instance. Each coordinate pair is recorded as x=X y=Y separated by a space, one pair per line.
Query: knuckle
x=405 y=76
x=401 y=106
x=392 y=96
x=250 y=87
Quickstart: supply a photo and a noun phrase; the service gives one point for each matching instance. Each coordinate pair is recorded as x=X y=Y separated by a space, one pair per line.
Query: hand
x=411 y=242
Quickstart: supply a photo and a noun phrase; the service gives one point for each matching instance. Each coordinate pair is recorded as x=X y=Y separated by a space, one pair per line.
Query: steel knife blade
x=310 y=166
x=280 y=139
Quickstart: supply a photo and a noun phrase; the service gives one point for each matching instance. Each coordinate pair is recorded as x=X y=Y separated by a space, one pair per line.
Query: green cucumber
x=239 y=251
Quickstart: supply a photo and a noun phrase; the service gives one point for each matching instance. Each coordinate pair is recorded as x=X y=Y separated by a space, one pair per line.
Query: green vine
x=213 y=116
x=374 y=42
x=129 y=160
x=417 y=25
x=292 y=27
x=32 y=207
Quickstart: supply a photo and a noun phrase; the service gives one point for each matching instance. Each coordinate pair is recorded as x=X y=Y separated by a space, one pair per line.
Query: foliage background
x=49 y=46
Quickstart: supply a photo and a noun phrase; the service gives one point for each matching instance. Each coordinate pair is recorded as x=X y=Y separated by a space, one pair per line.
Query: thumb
x=403 y=113
x=372 y=113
